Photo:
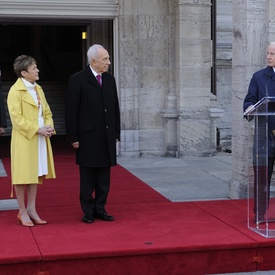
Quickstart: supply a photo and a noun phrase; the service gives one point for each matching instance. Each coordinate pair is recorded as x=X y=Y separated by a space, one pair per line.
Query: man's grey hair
x=272 y=43
x=93 y=52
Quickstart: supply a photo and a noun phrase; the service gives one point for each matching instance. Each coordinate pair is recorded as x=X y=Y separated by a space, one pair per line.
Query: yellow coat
x=24 y=141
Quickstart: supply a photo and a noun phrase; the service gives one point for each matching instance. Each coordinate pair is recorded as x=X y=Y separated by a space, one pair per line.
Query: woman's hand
x=46 y=131
x=2 y=131
x=75 y=144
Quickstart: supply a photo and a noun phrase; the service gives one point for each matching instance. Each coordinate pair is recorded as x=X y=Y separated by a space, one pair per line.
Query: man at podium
x=262 y=85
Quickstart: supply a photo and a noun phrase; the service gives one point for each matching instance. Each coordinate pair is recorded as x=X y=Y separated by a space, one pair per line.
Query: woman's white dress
x=42 y=145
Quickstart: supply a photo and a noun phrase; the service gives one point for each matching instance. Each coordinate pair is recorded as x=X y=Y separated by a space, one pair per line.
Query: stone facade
x=166 y=101
x=167 y=105
x=224 y=70
x=163 y=58
x=253 y=29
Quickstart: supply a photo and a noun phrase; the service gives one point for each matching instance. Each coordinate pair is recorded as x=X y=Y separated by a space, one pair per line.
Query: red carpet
x=151 y=235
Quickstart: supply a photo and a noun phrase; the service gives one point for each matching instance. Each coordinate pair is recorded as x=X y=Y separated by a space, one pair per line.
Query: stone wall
x=224 y=70
x=164 y=63
x=144 y=69
x=165 y=70
x=250 y=39
x=194 y=77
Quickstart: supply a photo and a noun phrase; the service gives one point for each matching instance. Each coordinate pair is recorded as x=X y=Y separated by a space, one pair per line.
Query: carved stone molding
x=60 y=9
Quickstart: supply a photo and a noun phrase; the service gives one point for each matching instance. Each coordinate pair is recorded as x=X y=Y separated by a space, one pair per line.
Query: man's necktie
x=98 y=77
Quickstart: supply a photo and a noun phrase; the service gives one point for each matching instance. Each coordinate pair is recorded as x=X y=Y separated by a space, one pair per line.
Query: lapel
x=269 y=72
x=26 y=97
x=91 y=78
x=269 y=82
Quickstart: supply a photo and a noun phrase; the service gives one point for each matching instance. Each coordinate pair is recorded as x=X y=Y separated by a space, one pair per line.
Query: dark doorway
x=59 y=49
x=58 y=52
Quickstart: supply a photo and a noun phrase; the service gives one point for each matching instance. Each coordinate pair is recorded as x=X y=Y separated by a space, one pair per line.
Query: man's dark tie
x=98 y=77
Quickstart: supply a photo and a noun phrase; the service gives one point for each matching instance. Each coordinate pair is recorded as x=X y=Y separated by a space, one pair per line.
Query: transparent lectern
x=261 y=143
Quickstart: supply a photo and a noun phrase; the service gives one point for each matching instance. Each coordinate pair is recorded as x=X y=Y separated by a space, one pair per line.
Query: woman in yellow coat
x=32 y=127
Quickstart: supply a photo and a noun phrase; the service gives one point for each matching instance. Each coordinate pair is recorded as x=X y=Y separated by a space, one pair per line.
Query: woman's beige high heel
x=29 y=224
x=38 y=222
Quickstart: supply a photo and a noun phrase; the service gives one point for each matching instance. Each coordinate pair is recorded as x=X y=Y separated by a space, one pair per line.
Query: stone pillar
x=170 y=116
x=193 y=59
x=130 y=82
x=250 y=39
x=215 y=114
x=145 y=56
x=170 y=113
x=224 y=70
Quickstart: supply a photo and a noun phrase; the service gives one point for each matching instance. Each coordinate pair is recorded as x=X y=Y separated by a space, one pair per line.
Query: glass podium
x=261 y=186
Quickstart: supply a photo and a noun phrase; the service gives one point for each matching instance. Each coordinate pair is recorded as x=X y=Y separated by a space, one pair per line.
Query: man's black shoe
x=104 y=216
x=261 y=218
x=88 y=218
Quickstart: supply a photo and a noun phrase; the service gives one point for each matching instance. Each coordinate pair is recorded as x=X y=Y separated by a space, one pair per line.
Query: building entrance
x=59 y=49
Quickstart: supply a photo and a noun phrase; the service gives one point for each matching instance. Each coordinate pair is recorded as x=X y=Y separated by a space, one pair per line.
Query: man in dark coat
x=262 y=85
x=3 y=118
x=92 y=118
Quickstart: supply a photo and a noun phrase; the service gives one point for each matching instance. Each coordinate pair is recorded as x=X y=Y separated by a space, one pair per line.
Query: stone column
x=215 y=114
x=170 y=116
x=193 y=59
x=170 y=113
x=145 y=58
x=130 y=82
x=250 y=39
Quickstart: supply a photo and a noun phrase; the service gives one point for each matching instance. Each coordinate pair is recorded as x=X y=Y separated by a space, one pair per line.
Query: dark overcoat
x=262 y=85
x=92 y=118
x=3 y=119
